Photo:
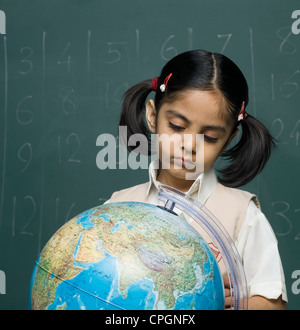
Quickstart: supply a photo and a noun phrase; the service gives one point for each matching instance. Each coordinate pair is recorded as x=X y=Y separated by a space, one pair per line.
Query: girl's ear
x=151 y=115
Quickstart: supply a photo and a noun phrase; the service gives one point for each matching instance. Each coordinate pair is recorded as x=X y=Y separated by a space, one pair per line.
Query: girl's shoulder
x=136 y=193
x=238 y=195
x=229 y=206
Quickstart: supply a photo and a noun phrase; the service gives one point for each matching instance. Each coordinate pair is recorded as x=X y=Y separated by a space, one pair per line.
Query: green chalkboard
x=64 y=66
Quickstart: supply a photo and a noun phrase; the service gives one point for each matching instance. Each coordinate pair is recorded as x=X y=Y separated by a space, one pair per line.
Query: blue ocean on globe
x=126 y=256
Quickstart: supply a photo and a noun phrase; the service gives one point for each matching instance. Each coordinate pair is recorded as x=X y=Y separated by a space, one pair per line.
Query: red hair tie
x=243 y=114
x=154 y=84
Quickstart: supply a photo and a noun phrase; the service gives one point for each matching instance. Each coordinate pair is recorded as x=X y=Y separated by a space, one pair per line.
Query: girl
x=199 y=92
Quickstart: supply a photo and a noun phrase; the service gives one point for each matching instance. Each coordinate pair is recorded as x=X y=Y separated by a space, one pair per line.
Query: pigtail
x=133 y=107
x=249 y=156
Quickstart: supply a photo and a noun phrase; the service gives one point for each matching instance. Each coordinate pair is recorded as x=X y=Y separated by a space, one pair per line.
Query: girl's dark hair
x=203 y=70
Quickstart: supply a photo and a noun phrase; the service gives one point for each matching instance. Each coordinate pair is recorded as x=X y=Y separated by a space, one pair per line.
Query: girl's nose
x=190 y=142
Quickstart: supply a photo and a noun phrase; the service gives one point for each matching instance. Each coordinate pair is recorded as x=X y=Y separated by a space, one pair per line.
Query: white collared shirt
x=200 y=190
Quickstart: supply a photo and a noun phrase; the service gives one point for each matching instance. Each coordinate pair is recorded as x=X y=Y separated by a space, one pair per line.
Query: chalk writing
x=28 y=65
x=283 y=213
x=290 y=86
x=24 y=116
x=286 y=46
x=68 y=106
x=228 y=37
x=25 y=155
x=293 y=135
x=65 y=59
x=167 y=52
x=72 y=144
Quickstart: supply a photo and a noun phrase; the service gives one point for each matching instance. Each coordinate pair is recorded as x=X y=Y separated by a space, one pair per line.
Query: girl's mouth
x=184 y=162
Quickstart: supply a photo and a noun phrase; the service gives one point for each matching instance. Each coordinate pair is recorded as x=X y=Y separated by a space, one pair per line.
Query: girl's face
x=194 y=112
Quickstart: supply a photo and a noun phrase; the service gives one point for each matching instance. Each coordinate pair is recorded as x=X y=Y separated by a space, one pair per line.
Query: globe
x=126 y=256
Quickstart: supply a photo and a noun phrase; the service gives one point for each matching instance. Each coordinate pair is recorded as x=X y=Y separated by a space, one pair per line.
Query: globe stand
x=200 y=216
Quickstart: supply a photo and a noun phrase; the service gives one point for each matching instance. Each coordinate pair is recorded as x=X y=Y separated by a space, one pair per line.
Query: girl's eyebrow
x=177 y=114
x=188 y=122
x=214 y=128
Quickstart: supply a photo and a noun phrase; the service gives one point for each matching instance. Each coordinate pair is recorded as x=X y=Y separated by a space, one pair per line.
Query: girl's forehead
x=197 y=102
x=200 y=108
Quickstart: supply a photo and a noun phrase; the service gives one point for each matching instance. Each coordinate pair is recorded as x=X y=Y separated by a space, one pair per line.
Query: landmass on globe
x=126 y=256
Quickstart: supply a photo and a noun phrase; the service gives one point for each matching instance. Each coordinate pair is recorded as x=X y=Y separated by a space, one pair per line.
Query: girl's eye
x=210 y=139
x=176 y=127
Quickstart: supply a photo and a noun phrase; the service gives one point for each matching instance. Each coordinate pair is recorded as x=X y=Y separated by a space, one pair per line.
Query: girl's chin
x=181 y=174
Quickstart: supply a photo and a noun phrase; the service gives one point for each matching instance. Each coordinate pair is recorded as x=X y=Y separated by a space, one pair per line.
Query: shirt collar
x=201 y=188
